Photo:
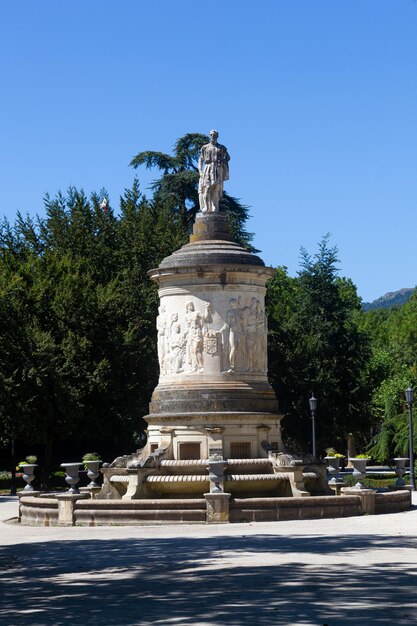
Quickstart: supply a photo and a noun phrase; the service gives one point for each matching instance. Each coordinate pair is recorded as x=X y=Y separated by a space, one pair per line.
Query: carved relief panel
x=225 y=335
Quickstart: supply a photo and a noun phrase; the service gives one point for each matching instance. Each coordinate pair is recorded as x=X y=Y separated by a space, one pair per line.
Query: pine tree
x=316 y=347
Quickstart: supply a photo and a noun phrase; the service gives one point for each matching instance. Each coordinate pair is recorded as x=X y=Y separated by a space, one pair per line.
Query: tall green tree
x=394 y=346
x=317 y=347
x=77 y=312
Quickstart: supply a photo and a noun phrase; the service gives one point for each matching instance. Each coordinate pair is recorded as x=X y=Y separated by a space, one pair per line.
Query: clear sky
x=316 y=101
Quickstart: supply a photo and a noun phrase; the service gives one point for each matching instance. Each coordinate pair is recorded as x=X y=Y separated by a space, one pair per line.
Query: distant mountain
x=392 y=298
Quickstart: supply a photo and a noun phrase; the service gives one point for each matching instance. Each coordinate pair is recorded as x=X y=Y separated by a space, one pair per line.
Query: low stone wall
x=138 y=512
x=62 y=509
x=277 y=509
x=393 y=502
x=36 y=511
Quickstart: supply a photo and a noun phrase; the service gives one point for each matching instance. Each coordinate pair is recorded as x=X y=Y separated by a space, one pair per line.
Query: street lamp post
x=409 y=397
x=313 y=407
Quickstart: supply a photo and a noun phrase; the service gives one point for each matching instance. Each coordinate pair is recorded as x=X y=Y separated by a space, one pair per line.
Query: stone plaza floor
x=356 y=571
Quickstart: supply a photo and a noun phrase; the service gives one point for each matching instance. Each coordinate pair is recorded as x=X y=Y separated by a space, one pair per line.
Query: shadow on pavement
x=206 y=581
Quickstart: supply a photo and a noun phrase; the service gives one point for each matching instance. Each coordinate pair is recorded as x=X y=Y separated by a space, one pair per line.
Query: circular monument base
x=45 y=511
x=232 y=435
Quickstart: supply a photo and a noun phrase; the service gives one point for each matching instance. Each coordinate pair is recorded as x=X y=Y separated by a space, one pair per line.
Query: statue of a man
x=215 y=158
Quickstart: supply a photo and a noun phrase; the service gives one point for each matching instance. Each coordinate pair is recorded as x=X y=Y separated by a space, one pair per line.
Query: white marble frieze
x=226 y=333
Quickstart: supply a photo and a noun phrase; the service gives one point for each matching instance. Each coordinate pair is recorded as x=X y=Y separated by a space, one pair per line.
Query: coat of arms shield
x=211 y=344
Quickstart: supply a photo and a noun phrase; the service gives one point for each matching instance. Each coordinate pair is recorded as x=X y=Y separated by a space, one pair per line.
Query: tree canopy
x=394 y=358
x=315 y=346
x=77 y=318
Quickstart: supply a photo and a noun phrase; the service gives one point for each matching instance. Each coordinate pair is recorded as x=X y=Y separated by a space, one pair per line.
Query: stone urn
x=28 y=474
x=72 y=477
x=333 y=467
x=359 y=471
x=400 y=463
x=93 y=470
x=216 y=475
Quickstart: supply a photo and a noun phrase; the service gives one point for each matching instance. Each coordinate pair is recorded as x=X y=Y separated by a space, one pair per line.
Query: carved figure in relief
x=161 y=327
x=260 y=350
x=244 y=337
x=243 y=357
x=172 y=325
x=251 y=329
x=232 y=328
x=171 y=329
x=196 y=343
x=213 y=173
x=240 y=342
x=195 y=340
x=177 y=349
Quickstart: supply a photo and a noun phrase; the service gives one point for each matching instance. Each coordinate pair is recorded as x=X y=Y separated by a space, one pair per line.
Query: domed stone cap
x=211 y=244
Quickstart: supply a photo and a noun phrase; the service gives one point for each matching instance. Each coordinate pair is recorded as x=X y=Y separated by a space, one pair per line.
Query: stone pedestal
x=66 y=505
x=337 y=486
x=367 y=497
x=91 y=492
x=217 y=508
x=213 y=391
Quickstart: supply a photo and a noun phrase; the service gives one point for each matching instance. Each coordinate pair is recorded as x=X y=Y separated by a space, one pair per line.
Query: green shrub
x=374 y=482
x=332 y=452
x=91 y=456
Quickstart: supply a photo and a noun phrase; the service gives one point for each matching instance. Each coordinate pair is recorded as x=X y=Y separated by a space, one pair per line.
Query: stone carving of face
x=214 y=136
x=190 y=307
x=174 y=317
x=233 y=303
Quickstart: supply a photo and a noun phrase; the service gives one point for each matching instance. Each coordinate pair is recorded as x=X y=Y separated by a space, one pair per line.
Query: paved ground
x=356 y=571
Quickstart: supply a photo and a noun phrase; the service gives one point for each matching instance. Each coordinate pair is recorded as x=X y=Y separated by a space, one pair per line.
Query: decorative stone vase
x=28 y=474
x=400 y=470
x=216 y=475
x=93 y=470
x=333 y=467
x=359 y=471
x=72 y=477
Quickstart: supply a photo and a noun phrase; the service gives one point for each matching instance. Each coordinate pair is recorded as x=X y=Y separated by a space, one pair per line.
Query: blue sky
x=316 y=101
